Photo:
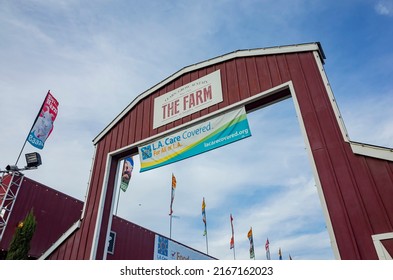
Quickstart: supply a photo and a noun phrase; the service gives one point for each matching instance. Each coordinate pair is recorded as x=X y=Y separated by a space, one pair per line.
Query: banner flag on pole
x=128 y=166
x=250 y=238
x=232 y=242
x=43 y=124
x=204 y=216
x=267 y=249
x=172 y=193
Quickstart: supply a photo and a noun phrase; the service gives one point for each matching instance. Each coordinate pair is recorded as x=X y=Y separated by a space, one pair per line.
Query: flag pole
x=23 y=147
x=204 y=219
x=170 y=226
x=207 y=246
x=173 y=187
x=233 y=237
x=118 y=198
x=234 y=254
x=24 y=144
x=253 y=247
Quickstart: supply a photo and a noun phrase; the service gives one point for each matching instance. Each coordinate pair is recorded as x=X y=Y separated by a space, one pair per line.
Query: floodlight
x=33 y=160
x=12 y=168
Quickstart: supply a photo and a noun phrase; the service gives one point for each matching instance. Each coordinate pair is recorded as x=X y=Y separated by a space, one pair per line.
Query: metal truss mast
x=10 y=183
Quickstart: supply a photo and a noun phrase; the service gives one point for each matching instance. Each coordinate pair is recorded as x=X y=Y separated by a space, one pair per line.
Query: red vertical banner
x=267 y=249
x=232 y=242
x=43 y=124
x=173 y=188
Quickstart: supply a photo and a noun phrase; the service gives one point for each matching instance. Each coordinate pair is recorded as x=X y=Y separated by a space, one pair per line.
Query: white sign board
x=202 y=137
x=166 y=249
x=190 y=98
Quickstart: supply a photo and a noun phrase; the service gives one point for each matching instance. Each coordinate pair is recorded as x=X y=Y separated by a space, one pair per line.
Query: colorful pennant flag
x=172 y=193
x=128 y=166
x=43 y=124
x=232 y=242
x=204 y=216
x=267 y=249
x=250 y=238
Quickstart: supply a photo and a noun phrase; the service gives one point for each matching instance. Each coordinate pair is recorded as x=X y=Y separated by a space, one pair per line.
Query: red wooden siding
x=132 y=241
x=54 y=211
x=358 y=190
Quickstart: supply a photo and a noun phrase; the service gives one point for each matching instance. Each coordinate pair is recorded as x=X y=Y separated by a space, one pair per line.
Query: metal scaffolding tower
x=10 y=183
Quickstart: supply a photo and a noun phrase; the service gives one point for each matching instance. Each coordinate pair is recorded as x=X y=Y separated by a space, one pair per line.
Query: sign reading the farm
x=194 y=140
x=185 y=100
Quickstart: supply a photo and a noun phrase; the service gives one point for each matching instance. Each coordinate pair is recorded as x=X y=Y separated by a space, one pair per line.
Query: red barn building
x=354 y=180
x=57 y=214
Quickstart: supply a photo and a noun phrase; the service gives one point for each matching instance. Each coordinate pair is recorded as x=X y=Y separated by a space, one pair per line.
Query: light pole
x=10 y=182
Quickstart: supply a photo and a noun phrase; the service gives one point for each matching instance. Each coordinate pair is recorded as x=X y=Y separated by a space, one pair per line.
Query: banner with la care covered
x=219 y=131
x=43 y=124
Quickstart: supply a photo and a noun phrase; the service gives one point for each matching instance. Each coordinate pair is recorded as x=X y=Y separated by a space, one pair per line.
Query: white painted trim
x=205 y=117
x=88 y=183
x=318 y=184
x=59 y=241
x=111 y=211
x=111 y=155
x=77 y=224
x=100 y=210
x=237 y=54
x=287 y=85
x=357 y=148
x=332 y=99
x=221 y=111
x=372 y=151
x=382 y=253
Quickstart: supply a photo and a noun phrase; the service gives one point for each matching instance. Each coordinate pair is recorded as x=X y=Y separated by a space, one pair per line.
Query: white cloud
x=96 y=58
x=384 y=8
x=369 y=118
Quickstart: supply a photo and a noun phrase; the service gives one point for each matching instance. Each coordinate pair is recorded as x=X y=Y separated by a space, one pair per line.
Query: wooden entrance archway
x=354 y=180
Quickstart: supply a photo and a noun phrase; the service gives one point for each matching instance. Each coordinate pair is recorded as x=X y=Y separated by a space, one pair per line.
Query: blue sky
x=97 y=56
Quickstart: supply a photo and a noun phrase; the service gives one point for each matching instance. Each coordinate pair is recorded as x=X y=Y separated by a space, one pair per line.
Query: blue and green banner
x=214 y=133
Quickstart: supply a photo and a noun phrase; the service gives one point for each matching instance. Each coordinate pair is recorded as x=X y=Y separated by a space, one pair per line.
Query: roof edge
x=372 y=151
x=314 y=46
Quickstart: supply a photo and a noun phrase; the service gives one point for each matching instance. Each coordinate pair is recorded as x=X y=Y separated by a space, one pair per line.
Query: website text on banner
x=197 y=139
